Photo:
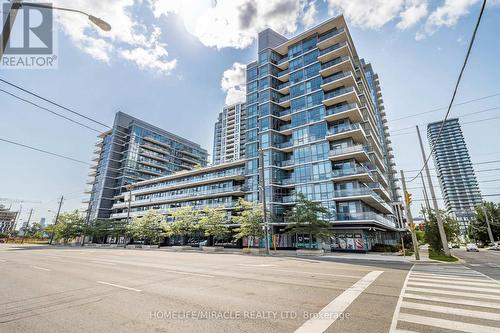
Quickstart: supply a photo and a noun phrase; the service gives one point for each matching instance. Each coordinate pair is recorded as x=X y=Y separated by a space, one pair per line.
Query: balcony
x=334 y=51
x=287 y=164
x=336 y=65
x=286 y=129
x=379 y=189
x=284 y=88
x=331 y=38
x=285 y=146
x=359 y=173
x=285 y=114
x=347 y=94
x=354 y=131
x=282 y=63
x=338 y=80
x=357 y=152
x=342 y=111
x=364 y=217
x=284 y=101
x=365 y=194
x=283 y=75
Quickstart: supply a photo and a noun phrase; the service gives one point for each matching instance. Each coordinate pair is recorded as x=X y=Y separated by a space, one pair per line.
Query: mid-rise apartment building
x=229 y=134
x=454 y=169
x=7 y=219
x=132 y=151
x=314 y=110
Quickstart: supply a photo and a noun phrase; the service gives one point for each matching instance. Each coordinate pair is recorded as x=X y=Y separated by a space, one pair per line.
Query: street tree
x=478 y=229
x=147 y=227
x=432 y=236
x=69 y=226
x=250 y=218
x=306 y=217
x=213 y=223
x=184 y=223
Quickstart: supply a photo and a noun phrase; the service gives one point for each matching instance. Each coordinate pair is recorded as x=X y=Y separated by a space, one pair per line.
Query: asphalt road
x=115 y=290
x=484 y=261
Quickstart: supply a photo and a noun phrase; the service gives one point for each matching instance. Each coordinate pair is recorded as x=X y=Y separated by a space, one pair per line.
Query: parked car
x=455 y=246
x=495 y=247
x=472 y=248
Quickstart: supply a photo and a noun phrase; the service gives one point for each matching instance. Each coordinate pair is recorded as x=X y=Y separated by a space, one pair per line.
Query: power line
x=444 y=107
x=471 y=43
x=458 y=116
x=45 y=151
x=54 y=103
x=477 y=163
x=48 y=110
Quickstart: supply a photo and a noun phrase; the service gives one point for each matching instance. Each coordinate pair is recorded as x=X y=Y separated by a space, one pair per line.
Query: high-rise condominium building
x=131 y=151
x=316 y=111
x=229 y=134
x=455 y=172
x=7 y=219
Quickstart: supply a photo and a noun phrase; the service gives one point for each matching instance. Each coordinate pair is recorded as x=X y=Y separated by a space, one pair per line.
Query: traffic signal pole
x=410 y=217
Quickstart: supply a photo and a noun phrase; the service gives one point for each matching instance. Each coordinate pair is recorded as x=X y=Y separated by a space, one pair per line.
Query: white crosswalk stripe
x=445 y=298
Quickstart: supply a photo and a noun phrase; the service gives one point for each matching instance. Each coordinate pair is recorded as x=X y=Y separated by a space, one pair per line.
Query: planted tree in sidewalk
x=478 y=229
x=213 y=223
x=306 y=217
x=100 y=229
x=184 y=224
x=432 y=232
x=250 y=217
x=69 y=226
x=147 y=227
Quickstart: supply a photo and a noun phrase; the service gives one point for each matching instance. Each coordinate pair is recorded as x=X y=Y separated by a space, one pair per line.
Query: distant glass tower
x=454 y=170
x=229 y=134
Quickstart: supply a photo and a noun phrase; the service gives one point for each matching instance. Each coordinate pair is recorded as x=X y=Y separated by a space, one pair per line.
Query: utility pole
x=263 y=198
x=490 y=234
x=442 y=233
x=87 y=222
x=57 y=218
x=26 y=226
x=410 y=217
x=128 y=211
x=426 y=198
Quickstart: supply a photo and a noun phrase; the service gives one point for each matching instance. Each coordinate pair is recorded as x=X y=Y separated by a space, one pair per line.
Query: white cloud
x=233 y=83
x=446 y=15
x=371 y=14
x=129 y=38
x=233 y=23
x=309 y=16
x=415 y=11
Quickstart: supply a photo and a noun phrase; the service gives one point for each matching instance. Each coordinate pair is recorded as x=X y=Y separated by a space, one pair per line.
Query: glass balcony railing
x=342 y=129
x=330 y=34
x=283 y=72
x=284 y=112
x=357 y=216
x=283 y=85
x=336 y=77
x=338 y=92
x=285 y=127
x=350 y=149
x=286 y=163
x=282 y=60
x=334 y=62
x=285 y=144
x=349 y=171
x=340 y=108
x=284 y=98
x=332 y=48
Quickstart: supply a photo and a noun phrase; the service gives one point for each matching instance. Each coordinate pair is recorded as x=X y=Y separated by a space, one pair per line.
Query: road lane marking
x=440 y=285
x=451 y=311
x=447 y=277
x=453 y=293
x=398 y=304
x=257 y=265
x=448 y=324
x=103 y=262
x=309 y=273
x=3 y=260
x=454 y=282
x=118 y=286
x=188 y=273
x=454 y=301
x=335 y=308
x=41 y=268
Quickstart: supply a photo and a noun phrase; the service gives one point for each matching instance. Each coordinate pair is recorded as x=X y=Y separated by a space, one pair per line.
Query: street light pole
x=263 y=198
x=410 y=219
x=26 y=226
x=18 y=4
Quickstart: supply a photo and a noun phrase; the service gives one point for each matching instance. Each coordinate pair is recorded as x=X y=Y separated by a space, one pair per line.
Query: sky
x=176 y=63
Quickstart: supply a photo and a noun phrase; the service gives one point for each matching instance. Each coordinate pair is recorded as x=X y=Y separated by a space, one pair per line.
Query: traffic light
x=407 y=198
